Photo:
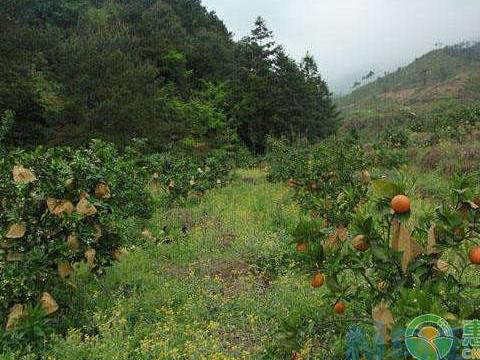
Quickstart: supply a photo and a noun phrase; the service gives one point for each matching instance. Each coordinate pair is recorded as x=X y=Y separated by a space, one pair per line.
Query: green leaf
x=379 y=252
x=333 y=284
x=403 y=218
x=384 y=188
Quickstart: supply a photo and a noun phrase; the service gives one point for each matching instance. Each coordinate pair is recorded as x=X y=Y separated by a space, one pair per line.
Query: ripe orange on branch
x=474 y=255
x=339 y=308
x=400 y=204
x=318 y=280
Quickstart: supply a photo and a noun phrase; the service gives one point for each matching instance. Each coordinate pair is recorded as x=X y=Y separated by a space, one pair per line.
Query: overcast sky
x=350 y=37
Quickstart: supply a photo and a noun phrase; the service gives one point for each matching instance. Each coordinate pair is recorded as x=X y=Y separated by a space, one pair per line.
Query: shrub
x=285 y=160
x=327 y=177
x=404 y=261
x=58 y=207
x=180 y=175
x=389 y=158
x=384 y=266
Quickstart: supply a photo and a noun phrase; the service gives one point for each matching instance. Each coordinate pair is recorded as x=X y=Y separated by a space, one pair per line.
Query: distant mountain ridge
x=450 y=72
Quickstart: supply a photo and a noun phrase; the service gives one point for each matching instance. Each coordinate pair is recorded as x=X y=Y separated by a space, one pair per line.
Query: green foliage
x=180 y=176
x=168 y=71
x=388 y=157
x=368 y=254
x=203 y=116
x=326 y=176
x=199 y=286
x=6 y=123
x=52 y=231
x=29 y=333
x=433 y=101
x=84 y=69
x=386 y=265
x=273 y=95
x=7 y=120
x=66 y=211
x=285 y=160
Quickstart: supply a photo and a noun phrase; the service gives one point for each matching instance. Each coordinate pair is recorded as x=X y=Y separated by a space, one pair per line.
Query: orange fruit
x=400 y=204
x=474 y=255
x=302 y=247
x=339 y=308
x=318 y=280
x=359 y=243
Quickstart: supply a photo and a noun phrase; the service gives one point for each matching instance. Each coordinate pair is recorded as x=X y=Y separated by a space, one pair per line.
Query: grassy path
x=224 y=286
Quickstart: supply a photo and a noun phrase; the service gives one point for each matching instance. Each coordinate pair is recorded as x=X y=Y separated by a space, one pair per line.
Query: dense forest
x=165 y=70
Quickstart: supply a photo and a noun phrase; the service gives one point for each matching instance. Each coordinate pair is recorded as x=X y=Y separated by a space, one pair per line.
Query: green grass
x=219 y=278
x=227 y=289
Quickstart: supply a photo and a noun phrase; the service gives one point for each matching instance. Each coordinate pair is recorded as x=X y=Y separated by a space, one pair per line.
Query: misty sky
x=350 y=37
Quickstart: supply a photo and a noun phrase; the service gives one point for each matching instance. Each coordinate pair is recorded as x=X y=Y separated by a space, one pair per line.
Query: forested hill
x=166 y=70
x=450 y=72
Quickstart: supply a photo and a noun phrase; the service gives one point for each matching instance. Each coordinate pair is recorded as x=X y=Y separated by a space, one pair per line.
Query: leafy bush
x=284 y=160
x=453 y=121
x=383 y=265
x=181 y=175
x=327 y=177
x=58 y=207
x=388 y=157
x=403 y=263
x=6 y=123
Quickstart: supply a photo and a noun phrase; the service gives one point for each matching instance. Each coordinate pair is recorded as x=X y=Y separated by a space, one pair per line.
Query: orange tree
x=180 y=174
x=372 y=254
x=405 y=270
x=329 y=178
x=58 y=207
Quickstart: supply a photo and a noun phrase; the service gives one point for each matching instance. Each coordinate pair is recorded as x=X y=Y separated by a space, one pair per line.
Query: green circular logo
x=429 y=337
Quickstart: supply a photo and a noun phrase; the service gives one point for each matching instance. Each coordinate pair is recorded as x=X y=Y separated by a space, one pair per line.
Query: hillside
x=449 y=72
x=431 y=83
x=164 y=70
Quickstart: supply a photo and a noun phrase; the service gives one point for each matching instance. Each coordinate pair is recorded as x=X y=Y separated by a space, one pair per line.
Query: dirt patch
x=209 y=222
x=236 y=276
x=221 y=233
x=430 y=91
x=229 y=271
x=180 y=216
x=226 y=239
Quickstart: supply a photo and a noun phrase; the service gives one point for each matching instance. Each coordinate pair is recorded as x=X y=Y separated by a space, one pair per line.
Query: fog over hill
x=351 y=37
